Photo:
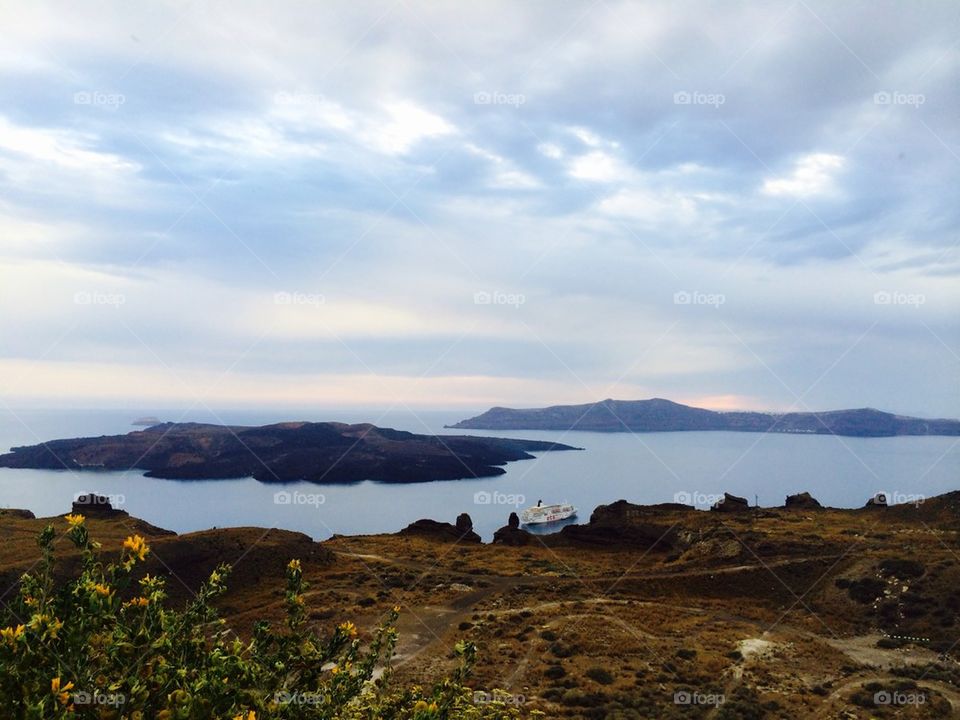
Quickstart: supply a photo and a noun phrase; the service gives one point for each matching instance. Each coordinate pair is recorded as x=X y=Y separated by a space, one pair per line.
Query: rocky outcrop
x=511 y=533
x=802 y=501
x=877 y=501
x=93 y=505
x=623 y=511
x=445 y=532
x=17 y=513
x=731 y=503
x=624 y=525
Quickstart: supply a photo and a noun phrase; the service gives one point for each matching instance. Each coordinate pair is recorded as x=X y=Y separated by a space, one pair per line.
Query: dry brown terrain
x=781 y=613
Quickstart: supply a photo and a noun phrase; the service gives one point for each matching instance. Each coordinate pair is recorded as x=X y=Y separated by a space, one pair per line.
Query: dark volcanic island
x=318 y=452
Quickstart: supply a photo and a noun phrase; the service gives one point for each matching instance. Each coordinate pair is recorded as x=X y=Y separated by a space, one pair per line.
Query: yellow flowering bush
x=105 y=644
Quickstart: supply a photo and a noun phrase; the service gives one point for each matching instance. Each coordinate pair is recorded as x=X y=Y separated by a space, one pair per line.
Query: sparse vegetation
x=105 y=644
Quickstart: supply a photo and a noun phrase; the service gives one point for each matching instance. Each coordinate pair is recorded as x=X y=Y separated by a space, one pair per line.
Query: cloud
x=342 y=152
x=813 y=174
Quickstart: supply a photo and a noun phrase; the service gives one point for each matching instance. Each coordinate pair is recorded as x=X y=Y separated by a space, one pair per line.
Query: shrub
x=600 y=675
x=903 y=569
x=105 y=644
x=554 y=672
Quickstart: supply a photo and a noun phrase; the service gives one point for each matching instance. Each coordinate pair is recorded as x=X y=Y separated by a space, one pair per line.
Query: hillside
x=644 y=611
x=659 y=415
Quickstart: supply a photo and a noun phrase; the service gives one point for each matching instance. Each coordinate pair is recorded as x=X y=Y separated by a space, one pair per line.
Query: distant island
x=326 y=452
x=659 y=415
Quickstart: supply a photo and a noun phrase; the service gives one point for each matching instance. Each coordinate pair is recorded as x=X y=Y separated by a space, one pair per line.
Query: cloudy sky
x=467 y=204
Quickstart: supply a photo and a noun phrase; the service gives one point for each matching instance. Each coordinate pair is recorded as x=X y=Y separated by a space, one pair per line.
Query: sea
x=689 y=467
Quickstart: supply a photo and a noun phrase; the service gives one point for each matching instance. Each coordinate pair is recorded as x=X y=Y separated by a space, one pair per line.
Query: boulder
x=513 y=522
x=802 y=501
x=512 y=536
x=464 y=523
x=731 y=503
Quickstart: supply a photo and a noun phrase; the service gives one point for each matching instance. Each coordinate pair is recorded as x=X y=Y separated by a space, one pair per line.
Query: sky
x=461 y=205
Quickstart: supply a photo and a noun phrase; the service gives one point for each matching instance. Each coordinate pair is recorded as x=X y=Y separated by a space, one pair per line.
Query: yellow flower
x=53 y=625
x=251 y=715
x=396 y=608
x=60 y=691
x=335 y=669
x=11 y=634
x=137 y=602
x=74 y=520
x=293 y=565
x=101 y=589
x=137 y=546
x=348 y=628
x=298 y=599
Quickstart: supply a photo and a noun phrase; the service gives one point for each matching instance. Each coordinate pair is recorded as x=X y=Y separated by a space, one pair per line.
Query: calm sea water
x=645 y=468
